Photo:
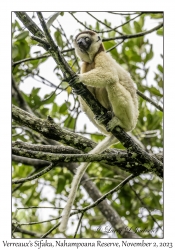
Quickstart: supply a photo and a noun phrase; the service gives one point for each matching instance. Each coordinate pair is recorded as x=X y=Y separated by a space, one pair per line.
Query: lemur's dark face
x=85 y=39
x=87 y=44
x=84 y=43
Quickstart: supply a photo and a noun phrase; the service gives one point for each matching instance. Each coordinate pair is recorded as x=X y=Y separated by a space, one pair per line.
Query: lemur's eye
x=87 y=39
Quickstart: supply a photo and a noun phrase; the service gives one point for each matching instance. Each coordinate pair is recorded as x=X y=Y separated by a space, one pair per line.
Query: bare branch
x=46 y=148
x=35 y=176
x=29 y=59
x=53 y=131
x=134 y=35
x=29 y=24
x=149 y=100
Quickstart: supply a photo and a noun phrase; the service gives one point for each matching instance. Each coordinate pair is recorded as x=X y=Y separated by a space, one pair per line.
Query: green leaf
x=54 y=108
x=50 y=100
x=149 y=55
x=97 y=26
x=35 y=91
x=157 y=16
x=127 y=28
x=160 y=32
x=60 y=184
x=23 y=49
x=70 y=122
x=22 y=35
x=58 y=38
x=52 y=19
x=63 y=109
x=141 y=20
x=14 y=51
x=137 y=27
x=160 y=68
x=155 y=91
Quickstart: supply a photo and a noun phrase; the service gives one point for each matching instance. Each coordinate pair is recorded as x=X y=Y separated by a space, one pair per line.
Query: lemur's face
x=84 y=43
x=86 y=40
x=87 y=45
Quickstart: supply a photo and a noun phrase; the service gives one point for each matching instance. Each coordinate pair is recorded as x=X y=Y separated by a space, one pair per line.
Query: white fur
x=114 y=89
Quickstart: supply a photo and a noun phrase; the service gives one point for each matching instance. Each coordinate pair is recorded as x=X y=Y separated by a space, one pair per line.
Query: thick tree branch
x=124 y=162
x=29 y=24
x=46 y=148
x=53 y=131
x=28 y=161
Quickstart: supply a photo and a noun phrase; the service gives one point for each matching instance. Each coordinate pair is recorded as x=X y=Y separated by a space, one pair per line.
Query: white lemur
x=113 y=87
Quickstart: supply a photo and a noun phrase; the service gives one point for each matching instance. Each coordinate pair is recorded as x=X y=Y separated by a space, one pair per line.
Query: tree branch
x=53 y=131
x=29 y=59
x=46 y=148
x=150 y=101
x=28 y=161
x=134 y=35
x=29 y=24
x=17 y=229
x=35 y=176
x=112 y=159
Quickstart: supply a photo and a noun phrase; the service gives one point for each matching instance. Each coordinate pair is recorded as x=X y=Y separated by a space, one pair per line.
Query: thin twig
x=46 y=31
x=29 y=59
x=17 y=229
x=20 y=184
x=134 y=35
x=35 y=176
x=99 y=21
x=81 y=217
x=149 y=100
x=119 y=186
x=122 y=14
x=116 y=45
x=41 y=41
x=115 y=28
x=145 y=206
x=127 y=21
x=81 y=22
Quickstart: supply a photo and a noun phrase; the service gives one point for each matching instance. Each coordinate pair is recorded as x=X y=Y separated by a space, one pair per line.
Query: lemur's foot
x=112 y=123
x=99 y=118
x=74 y=80
x=79 y=91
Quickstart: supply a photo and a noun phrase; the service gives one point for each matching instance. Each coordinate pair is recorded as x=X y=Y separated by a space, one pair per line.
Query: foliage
x=139 y=203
